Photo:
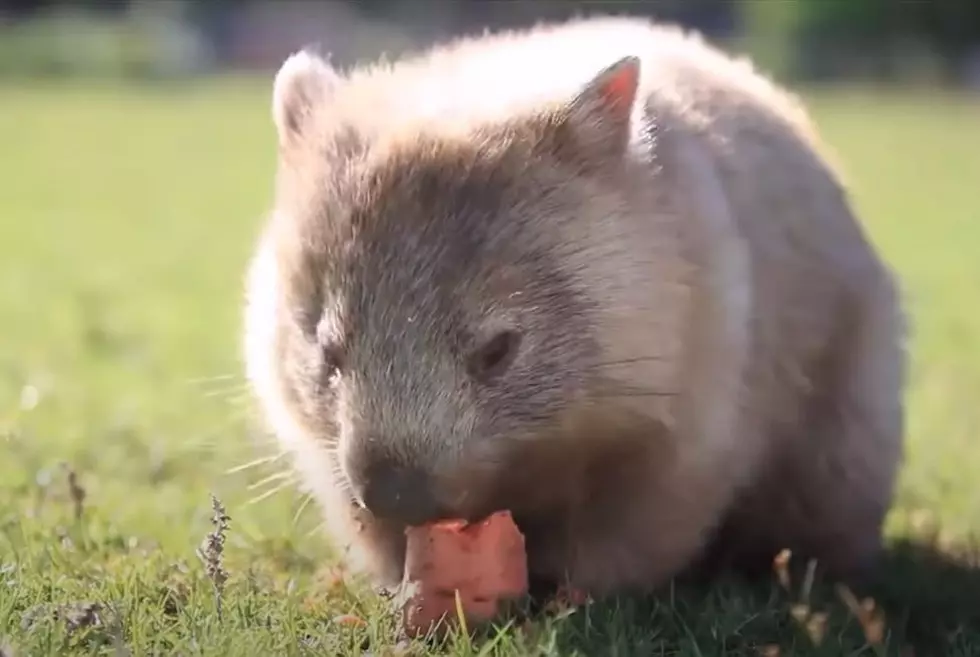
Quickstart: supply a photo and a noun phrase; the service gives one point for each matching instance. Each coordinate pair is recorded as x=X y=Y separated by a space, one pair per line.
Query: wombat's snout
x=395 y=492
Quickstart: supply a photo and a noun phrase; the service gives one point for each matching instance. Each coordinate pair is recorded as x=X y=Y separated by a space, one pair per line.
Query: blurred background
x=893 y=40
x=136 y=162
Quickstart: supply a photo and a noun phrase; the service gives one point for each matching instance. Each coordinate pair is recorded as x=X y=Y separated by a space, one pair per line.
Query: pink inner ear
x=619 y=89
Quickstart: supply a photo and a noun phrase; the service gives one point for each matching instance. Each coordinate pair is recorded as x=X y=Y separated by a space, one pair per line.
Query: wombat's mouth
x=414 y=506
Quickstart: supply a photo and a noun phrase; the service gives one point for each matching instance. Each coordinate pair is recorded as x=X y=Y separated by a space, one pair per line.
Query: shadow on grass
x=933 y=597
x=925 y=602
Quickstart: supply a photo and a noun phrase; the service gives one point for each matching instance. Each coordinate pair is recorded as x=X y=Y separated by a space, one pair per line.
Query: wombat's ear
x=601 y=113
x=304 y=80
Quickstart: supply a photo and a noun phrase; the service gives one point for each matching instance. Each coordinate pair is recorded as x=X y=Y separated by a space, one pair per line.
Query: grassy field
x=126 y=216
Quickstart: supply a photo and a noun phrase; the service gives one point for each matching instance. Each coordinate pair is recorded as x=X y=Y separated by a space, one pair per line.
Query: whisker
x=318 y=528
x=337 y=469
x=636 y=393
x=240 y=411
x=345 y=486
x=630 y=361
x=278 y=476
x=205 y=380
x=302 y=507
x=232 y=423
x=240 y=407
x=217 y=387
x=255 y=463
x=610 y=387
x=269 y=493
x=241 y=391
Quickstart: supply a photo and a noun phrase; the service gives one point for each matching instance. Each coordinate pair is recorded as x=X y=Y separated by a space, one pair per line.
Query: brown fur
x=707 y=340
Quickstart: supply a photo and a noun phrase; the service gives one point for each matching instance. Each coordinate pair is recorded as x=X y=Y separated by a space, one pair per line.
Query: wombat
x=597 y=273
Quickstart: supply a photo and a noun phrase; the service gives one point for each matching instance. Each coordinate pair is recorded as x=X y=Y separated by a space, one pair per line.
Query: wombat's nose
x=399 y=493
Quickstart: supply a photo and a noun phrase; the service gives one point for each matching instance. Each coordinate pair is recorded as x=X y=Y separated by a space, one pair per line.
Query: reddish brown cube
x=485 y=562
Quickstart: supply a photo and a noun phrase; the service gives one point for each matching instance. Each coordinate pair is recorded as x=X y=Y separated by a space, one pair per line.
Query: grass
x=127 y=217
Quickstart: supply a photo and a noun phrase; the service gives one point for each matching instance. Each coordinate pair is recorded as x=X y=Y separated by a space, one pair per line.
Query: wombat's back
x=498 y=76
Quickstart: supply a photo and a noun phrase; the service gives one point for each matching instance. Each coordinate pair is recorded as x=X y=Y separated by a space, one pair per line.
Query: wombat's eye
x=331 y=362
x=495 y=355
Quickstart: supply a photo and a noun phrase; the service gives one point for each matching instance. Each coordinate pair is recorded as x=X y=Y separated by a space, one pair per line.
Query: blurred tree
x=23 y=9
x=952 y=26
x=841 y=37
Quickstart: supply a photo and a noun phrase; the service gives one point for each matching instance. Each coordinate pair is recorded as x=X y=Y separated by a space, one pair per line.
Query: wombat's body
x=597 y=274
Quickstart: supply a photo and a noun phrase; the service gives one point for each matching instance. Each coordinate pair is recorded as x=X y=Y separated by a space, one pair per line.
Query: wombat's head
x=419 y=309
